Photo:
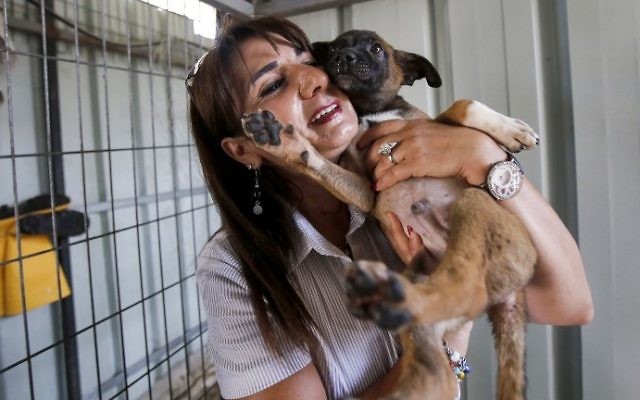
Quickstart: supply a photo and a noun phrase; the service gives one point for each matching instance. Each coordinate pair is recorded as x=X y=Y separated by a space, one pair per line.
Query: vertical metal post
x=57 y=172
x=441 y=42
x=567 y=341
x=190 y=147
x=345 y=19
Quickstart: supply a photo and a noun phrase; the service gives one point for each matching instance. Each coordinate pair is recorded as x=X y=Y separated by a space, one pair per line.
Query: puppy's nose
x=350 y=56
x=345 y=56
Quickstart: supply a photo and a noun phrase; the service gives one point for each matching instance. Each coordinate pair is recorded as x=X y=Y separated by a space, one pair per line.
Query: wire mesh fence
x=103 y=206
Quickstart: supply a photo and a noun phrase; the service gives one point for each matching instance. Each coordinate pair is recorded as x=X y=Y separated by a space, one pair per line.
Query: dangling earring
x=257 y=207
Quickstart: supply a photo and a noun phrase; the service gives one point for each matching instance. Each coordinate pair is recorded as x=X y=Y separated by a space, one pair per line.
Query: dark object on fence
x=31 y=275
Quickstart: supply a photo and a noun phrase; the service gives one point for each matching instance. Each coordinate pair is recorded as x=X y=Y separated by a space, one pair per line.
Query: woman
x=272 y=279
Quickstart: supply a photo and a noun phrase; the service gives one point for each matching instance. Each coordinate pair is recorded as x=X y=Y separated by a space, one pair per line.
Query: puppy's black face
x=356 y=61
x=361 y=63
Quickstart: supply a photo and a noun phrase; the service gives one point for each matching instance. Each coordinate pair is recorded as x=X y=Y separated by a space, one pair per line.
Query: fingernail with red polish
x=409 y=230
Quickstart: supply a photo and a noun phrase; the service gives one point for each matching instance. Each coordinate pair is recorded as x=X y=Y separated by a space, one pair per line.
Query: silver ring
x=390 y=157
x=387 y=148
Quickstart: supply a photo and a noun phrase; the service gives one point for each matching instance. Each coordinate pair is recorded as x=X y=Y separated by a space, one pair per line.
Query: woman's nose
x=311 y=80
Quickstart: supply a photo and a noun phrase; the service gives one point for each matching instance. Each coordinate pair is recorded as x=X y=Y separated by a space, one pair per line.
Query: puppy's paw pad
x=363 y=282
x=281 y=141
x=367 y=279
x=262 y=127
x=388 y=317
x=395 y=289
x=376 y=293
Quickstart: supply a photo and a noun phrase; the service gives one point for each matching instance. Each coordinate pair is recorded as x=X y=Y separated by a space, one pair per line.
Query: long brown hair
x=263 y=243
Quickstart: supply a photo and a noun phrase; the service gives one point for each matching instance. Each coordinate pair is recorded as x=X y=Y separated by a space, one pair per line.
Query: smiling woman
x=285 y=80
x=272 y=284
x=272 y=279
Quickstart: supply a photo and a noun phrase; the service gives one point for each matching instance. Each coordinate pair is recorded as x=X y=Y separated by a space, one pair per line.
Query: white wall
x=605 y=65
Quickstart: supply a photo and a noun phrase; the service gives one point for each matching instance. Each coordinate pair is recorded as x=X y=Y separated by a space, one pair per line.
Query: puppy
x=477 y=256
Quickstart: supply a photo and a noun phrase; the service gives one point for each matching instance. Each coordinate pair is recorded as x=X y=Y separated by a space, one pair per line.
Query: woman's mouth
x=326 y=114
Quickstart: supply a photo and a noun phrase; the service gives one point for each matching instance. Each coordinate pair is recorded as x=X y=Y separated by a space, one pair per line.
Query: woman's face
x=288 y=83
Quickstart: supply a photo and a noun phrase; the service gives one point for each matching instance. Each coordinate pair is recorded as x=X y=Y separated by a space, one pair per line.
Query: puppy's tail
x=508 y=321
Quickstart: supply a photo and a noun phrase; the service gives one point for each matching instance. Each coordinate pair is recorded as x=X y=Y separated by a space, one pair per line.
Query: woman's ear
x=243 y=150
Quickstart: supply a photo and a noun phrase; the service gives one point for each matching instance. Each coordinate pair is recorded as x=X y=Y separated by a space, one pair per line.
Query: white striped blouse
x=357 y=352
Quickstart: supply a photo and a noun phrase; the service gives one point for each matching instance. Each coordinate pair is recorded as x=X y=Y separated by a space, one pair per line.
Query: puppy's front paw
x=377 y=293
x=520 y=135
x=262 y=127
x=283 y=142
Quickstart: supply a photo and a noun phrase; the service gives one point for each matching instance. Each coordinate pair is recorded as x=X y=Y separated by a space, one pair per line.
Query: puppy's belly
x=424 y=205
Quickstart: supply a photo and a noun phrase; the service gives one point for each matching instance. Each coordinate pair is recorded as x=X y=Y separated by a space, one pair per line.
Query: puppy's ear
x=415 y=67
x=321 y=52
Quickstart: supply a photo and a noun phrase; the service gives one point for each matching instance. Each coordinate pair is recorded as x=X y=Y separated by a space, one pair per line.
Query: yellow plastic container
x=40 y=270
x=5 y=225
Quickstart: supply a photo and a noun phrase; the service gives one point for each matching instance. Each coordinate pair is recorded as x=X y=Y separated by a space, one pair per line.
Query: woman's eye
x=271 y=87
x=312 y=63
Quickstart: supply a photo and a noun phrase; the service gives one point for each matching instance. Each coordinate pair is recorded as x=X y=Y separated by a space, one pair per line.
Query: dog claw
x=517 y=135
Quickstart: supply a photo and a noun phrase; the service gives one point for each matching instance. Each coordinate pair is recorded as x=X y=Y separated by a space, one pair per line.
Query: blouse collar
x=310 y=239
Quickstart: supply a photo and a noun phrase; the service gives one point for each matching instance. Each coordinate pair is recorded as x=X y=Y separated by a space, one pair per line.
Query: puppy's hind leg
x=508 y=321
x=425 y=372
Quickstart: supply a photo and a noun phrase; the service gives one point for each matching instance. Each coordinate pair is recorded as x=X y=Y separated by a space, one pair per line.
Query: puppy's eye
x=376 y=49
x=332 y=49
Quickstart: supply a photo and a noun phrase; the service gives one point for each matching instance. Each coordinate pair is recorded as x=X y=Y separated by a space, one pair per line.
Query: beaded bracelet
x=457 y=362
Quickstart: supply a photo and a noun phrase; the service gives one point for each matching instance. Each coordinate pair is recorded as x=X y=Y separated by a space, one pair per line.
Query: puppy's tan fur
x=477 y=256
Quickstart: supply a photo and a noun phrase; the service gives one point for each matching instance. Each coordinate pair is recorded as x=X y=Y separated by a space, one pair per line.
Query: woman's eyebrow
x=269 y=67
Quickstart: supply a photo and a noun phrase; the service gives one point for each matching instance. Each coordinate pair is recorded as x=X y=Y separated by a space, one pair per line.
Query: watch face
x=504 y=180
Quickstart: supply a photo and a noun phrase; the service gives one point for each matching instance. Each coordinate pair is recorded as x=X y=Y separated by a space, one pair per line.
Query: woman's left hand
x=406 y=245
x=428 y=148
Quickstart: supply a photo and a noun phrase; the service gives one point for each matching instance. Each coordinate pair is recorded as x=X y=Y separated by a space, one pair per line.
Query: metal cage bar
x=14 y=187
x=78 y=36
x=135 y=199
x=188 y=63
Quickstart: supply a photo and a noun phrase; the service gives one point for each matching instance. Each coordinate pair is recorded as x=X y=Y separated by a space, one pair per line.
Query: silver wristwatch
x=504 y=179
